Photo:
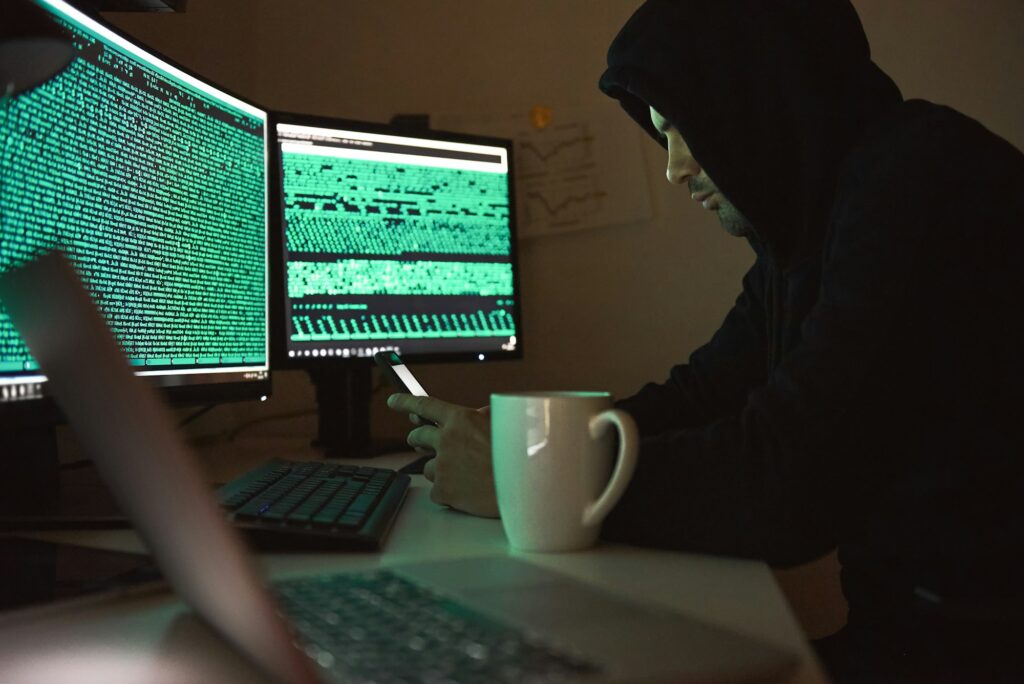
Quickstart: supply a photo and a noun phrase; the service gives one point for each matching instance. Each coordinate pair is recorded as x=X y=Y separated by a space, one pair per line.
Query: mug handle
x=596 y=511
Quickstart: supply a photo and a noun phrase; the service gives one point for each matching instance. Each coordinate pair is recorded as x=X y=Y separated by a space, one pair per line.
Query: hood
x=769 y=96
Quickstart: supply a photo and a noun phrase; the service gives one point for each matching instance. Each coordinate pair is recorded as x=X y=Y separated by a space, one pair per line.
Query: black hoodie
x=866 y=389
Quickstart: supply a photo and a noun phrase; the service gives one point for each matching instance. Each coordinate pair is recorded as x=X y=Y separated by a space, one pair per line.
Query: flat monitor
x=391 y=238
x=154 y=182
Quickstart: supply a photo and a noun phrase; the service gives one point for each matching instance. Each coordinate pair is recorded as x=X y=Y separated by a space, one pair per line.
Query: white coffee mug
x=552 y=454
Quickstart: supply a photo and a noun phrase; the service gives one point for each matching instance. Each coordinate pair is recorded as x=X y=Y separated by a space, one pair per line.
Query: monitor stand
x=343 y=396
x=36 y=493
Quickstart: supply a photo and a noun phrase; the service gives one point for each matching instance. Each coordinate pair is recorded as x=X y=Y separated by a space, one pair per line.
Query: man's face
x=683 y=168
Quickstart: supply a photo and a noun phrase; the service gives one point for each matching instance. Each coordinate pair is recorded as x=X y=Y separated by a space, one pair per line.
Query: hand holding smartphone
x=403 y=379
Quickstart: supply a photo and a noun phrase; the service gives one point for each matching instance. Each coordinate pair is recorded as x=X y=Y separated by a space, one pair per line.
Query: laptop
x=486 y=619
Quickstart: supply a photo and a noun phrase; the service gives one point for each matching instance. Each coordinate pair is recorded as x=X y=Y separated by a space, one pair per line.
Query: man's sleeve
x=719 y=375
x=766 y=481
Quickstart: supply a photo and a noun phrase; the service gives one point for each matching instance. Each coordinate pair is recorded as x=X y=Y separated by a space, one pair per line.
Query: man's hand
x=462 y=473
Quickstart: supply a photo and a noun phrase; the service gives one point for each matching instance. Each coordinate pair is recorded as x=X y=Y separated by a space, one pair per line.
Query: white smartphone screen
x=410 y=380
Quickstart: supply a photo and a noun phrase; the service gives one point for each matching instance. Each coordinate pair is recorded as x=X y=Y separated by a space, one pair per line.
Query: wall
x=609 y=308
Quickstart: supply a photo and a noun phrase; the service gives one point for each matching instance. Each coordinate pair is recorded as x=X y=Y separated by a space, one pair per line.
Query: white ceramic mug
x=552 y=454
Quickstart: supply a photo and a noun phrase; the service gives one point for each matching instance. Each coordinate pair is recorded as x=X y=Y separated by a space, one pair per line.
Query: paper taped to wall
x=582 y=168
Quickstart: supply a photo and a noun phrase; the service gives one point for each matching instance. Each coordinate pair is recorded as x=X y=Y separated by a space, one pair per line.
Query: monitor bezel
x=279 y=358
x=180 y=395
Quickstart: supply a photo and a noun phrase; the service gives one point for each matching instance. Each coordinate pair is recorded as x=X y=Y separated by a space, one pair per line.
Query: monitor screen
x=154 y=183
x=393 y=241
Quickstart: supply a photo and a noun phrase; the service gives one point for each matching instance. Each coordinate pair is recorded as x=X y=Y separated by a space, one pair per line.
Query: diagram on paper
x=584 y=169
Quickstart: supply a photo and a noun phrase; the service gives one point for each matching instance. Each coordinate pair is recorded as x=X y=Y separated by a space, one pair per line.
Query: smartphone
x=401 y=377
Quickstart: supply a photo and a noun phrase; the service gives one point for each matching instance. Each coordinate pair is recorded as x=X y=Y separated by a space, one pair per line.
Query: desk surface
x=152 y=636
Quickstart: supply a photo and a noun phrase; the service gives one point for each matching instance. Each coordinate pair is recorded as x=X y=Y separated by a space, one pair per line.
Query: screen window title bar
x=328 y=142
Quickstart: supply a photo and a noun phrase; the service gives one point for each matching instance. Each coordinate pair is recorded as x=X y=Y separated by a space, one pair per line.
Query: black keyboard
x=379 y=627
x=314 y=505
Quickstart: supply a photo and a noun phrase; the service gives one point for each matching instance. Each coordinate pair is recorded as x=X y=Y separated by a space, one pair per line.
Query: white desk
x=153 y=637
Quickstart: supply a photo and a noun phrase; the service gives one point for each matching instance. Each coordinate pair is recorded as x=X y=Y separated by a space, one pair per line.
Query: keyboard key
x=350 y=520
x=362 y=503
x=326 y=517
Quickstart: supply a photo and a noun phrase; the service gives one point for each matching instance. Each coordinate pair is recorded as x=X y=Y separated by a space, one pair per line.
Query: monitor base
x=343 y=397
x=36 y=493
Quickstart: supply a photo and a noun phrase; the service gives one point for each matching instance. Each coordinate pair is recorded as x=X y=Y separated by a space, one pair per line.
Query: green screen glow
x=384 y=250
x=157 y=193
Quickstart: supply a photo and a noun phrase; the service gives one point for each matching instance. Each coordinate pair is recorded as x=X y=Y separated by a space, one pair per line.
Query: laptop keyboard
x=379 y=627
x=309 y=504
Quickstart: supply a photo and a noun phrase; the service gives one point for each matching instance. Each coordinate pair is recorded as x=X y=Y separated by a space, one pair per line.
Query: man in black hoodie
x=864 y=390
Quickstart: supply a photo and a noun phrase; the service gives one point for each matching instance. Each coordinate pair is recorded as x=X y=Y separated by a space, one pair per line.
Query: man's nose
x=680 y=168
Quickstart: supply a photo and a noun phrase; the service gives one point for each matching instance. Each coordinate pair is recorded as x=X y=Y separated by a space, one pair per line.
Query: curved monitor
x=154 y=183
x=392 y=239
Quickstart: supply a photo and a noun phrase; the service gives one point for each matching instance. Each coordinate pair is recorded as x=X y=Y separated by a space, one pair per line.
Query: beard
x=733 y=220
